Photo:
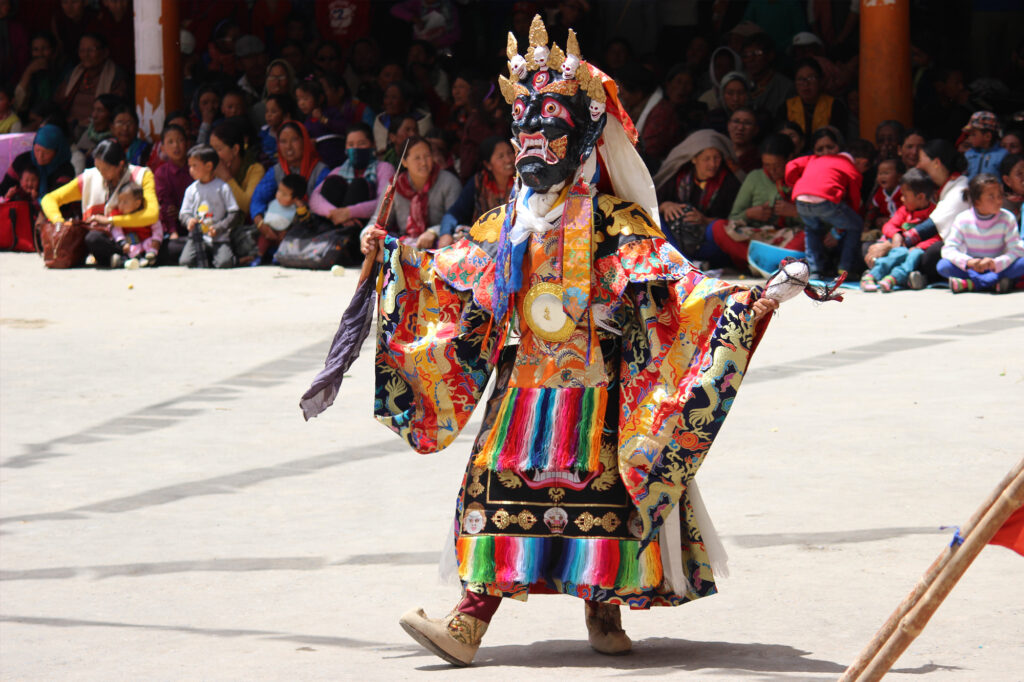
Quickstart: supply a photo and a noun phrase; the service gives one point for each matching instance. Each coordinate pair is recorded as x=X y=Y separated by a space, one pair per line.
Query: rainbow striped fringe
x=602 y=562
x=546 y=429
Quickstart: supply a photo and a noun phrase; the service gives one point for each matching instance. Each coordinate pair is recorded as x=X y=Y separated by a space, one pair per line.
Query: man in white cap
x=837 y=76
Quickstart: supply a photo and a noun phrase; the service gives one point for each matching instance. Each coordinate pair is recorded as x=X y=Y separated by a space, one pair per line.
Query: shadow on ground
x=661 y=655
x=652 y=656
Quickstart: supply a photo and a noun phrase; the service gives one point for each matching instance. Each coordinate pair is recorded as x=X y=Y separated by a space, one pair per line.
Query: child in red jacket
x=826 y=187
x=899 y=266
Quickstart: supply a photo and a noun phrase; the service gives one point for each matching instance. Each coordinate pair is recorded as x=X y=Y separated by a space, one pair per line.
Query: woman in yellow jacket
x=812 y=109
x=113 y=232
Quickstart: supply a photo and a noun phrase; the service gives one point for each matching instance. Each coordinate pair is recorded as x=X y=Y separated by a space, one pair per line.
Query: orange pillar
x=885 y=91
x=170 y=26
x=157 y=63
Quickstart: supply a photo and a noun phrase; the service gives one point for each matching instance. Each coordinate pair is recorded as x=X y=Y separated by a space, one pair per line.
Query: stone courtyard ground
x=166 y=514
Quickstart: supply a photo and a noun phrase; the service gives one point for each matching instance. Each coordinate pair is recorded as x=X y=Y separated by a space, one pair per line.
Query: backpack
x=16 y=233
x=318 y=245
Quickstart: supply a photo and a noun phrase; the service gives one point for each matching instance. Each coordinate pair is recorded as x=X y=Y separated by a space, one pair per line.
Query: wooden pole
x=883 y=634
x=1008 y=499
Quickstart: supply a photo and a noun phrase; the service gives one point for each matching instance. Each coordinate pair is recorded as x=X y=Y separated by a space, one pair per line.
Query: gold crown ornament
x=542 y=62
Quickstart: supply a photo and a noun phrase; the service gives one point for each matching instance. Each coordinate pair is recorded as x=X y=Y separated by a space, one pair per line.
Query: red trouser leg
x=737 y=251
x=480 y=606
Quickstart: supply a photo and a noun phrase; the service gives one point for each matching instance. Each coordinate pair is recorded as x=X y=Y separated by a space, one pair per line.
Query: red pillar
x=885 y=90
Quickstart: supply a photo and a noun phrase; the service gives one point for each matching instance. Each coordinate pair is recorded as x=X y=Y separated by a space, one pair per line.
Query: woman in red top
x=826 y=187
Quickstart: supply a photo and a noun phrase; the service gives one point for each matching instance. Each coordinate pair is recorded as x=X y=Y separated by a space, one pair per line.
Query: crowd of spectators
x=299 y=112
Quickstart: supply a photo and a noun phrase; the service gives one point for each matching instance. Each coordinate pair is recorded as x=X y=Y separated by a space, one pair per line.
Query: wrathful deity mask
x=557 y=108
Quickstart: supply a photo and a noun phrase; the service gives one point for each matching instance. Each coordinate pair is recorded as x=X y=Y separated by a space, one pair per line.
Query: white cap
x=805 y=38
x=187 y=42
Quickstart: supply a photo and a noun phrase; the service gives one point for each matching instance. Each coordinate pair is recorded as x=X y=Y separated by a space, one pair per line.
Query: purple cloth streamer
x=352 y=332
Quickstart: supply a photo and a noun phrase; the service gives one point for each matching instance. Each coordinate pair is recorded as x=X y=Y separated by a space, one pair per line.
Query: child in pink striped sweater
x=983 y=249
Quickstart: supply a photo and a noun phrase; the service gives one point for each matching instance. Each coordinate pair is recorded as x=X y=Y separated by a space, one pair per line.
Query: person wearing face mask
x=350 y=192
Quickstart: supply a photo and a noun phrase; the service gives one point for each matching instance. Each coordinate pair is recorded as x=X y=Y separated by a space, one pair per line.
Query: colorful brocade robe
x=587 y=444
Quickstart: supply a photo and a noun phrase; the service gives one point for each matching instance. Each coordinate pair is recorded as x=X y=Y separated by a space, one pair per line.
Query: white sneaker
x=116 y=261
x=131 y=264
x=90 y=260
x=788 y=282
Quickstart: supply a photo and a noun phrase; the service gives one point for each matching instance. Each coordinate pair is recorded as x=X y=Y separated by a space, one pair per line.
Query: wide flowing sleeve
x=686 y=342
x=433 y=351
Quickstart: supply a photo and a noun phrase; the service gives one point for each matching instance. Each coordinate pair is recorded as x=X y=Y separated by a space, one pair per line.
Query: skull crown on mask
x=558 y=112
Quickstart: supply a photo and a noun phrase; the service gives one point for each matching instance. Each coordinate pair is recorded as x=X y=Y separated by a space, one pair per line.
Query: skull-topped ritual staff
x=615 y=364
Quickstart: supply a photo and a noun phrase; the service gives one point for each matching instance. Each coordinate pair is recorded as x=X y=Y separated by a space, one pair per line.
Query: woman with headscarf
x=296 y=154
x=734 y=92
x=695 y=189
x=51 y=157
x=724 y=60
x=99 y=189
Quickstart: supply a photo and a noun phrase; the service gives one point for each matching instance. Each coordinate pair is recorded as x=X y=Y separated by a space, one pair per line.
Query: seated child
x=139 y=244
x=285 y=211
x=209 y=212
x=26 y=190
x=985 y=153
x=279 y=110
x=887 y=197
x=1012 y=170
x=983 y=249
x=826 y=187
x=322 y=120
x=899 y=266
